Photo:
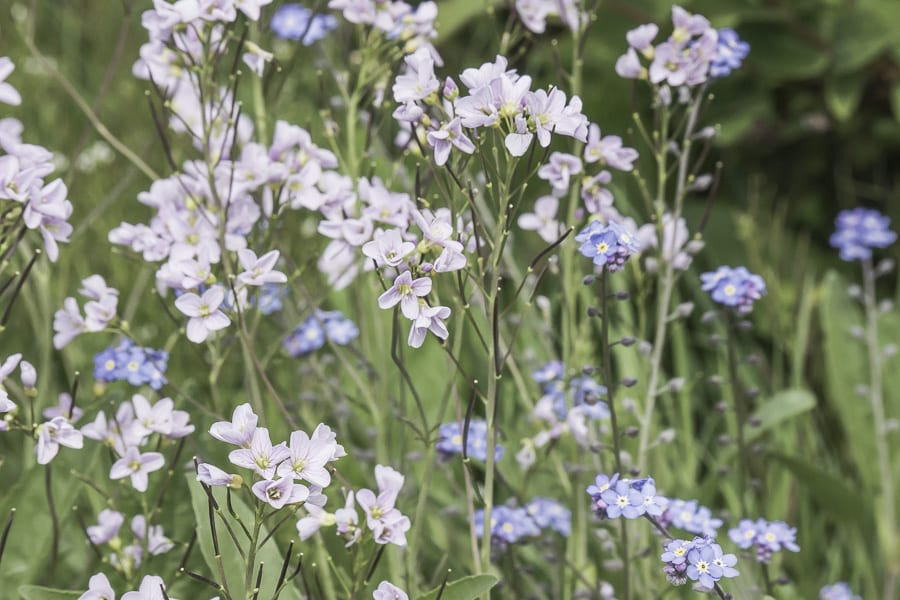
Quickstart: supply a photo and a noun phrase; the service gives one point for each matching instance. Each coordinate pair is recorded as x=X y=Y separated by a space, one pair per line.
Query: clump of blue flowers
x=584 y=391
x=859 y=230
x=735 y=287
x=838 y=591
x=607 y=245
x=126 y=361
x=730 y=53
x=293 y=21
x=700 y=560
x=508 y=525
x=550 y=514
x=450 y=441
x=322 y=325
x=690 y=516
x=764 y=537
x=629 y=498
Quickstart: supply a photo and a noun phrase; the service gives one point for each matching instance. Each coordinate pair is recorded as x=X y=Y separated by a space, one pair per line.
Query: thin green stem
x=876 y=395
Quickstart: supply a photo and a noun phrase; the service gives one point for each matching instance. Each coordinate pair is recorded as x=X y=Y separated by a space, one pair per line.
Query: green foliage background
x=810 y=125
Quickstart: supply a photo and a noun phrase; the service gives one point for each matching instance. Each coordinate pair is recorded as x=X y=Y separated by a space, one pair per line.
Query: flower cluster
x=564 y=408
x=388 y=591
x=534 y=13
x=396 y=19
x=859 y=231
x=294 y=21
x=152 y=588
x=27 y=200
x=700 y=560
x=612 y=497
x=137 y=424
x=497 y=98
x=607 y=245
x=150 y=540
x=508 y=525
x=690 y=516
x=764 y=537
x=384 y=520
x=838 y=591
x=511 y=524
x=450 y=441
x=735 y=287
x=322 y=325
x=278 y=467
x=692 y=54
x=416 y=262
x=126 y=361
x=99 y=311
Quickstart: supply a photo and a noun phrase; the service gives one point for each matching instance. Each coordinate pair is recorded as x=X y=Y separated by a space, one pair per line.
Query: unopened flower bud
x=684 y=310
x=706 y=133
x=589 y=279
x=632 y=431
x=29 y=375
x=694 y=247
x=854 y=291
x=627 y=341
x=885 y=306
x=629 y=382
x=709 y=316
x=701 y=183
x=884 y=266
x=623 y=295
x=857 y=332
x=666 y=436
x=724 y=439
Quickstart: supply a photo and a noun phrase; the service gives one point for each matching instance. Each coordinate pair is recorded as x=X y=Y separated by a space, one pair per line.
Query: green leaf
x=34 y=592
x=895 y=100
x=845 y=368
x=780 y=54
x=467 y=588
x=29 y=546
x=859 y=36
x=829 y=491
x=783 y=406
x=455 y=14
x=842 y=95
x=233 y=565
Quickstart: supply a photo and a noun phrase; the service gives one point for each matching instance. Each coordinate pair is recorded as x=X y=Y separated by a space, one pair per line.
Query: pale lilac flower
x=431 y=318
x=316 y=518
x=559 y=170
x=279 y=493
x=152 y=587
x=55 y=433
x=419 y=81
x=388 y=591
x=256 y=58
x=261 y=456
x=98 y=589
x=137 y=466
x=388 y=248
x=240 y=430
x=67 y=323
x=153 y=418
x=388 y=525
x=450 y=134
x=608 y=150
x=406 y=292
x=640 y=38
x=628 y=66
x=205 y=315
x=308 y=459
x=324 y=434
x=63 y=408
x=347 y=520
x=213 y=476
x=8 y=94
x=259 y=271
x=108 y=524
x=156 y=541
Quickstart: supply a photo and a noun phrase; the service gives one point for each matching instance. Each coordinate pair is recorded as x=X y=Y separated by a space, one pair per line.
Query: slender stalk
x=251 y=555
x=876 y=391
x=669 y=275
x=741 y=410
x=48 y=488
x=609 y=381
